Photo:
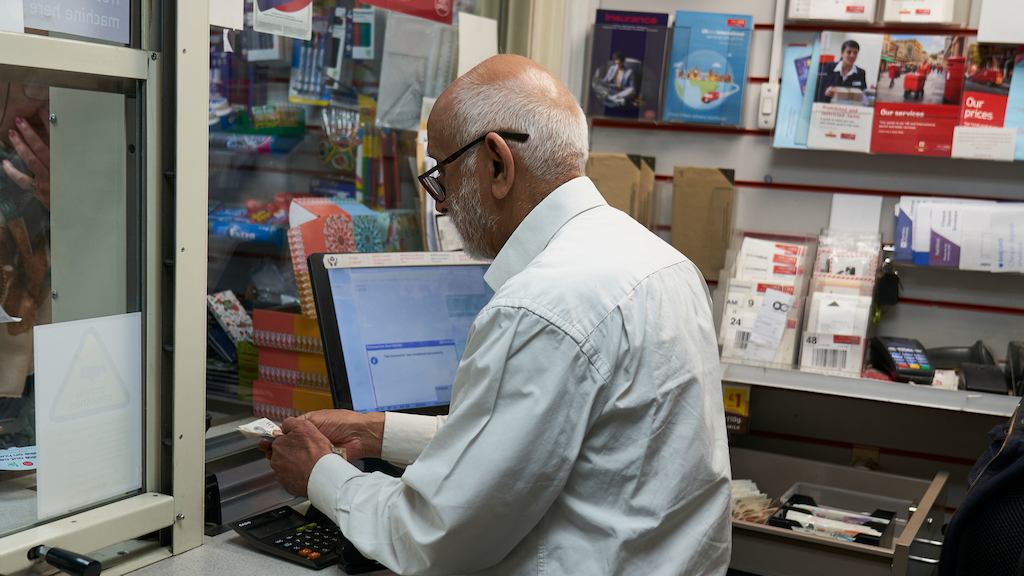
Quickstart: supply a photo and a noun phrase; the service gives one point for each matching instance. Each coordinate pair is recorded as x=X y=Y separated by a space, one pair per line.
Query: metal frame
x=178 y=504
x=192 y=159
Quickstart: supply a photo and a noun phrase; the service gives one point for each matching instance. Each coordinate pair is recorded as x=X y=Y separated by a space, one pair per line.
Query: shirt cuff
x=328 y=475
x=405 y=436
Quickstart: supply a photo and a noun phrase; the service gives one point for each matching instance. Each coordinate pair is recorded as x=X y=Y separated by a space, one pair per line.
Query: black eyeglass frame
x=434 y=187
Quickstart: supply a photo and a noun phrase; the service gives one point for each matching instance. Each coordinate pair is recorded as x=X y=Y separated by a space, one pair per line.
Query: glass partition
x=71 y=345
x=303 y=130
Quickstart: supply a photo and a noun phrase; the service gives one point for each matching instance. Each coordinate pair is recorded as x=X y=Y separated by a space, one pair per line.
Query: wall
x=790 y=192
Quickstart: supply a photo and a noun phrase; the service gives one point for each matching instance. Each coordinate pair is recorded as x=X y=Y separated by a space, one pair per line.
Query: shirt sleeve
x=406 y=435
x=522 y=401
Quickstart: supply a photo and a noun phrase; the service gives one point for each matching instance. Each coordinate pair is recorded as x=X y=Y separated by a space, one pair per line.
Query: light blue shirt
x=586 y=433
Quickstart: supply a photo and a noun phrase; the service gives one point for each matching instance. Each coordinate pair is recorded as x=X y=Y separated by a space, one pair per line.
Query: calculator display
x=275 y=526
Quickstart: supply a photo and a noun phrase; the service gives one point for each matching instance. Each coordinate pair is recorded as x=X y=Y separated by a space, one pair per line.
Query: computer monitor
x=395 y=326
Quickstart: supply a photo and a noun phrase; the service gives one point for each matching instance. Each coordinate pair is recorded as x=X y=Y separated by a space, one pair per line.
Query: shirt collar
x=839 y=69
x=538 y=228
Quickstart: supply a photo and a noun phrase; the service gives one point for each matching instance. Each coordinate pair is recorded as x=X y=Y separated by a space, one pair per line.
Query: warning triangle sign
x=92 y=384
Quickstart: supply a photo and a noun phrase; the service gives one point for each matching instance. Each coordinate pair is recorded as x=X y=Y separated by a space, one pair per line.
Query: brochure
x=920 y=89
x=707 y=70
x=626 y=63
x=844 y=98
x=1015 y=105
x=790 y=126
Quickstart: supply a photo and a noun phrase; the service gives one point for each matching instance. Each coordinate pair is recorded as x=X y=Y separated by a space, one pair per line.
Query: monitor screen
x=403 y=330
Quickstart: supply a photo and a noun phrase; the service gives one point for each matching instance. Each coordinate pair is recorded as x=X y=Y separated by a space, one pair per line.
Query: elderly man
x=586 y=433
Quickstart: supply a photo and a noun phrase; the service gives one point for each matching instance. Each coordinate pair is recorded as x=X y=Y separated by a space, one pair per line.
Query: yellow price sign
x=736 y=399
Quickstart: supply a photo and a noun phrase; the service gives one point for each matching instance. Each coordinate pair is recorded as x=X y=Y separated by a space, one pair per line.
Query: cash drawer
x=770 y=551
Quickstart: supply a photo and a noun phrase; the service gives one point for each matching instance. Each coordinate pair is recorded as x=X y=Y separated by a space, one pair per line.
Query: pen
x=299 y=66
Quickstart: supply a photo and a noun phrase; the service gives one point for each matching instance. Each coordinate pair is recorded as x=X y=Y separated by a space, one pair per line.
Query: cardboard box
x=626 y=181
x=702 y=207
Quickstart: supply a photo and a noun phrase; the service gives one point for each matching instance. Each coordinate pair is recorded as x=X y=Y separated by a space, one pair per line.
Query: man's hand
x=296 y=452
x=360 y=435
x=830 y=91
x=34 y=150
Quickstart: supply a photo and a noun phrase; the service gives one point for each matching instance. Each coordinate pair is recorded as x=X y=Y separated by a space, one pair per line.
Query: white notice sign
x=97 y=19
x=88 y=411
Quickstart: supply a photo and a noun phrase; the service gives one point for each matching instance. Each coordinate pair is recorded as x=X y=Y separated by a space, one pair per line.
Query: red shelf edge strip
x=674 y=127
x=850 y=445
x=822 y=189
x=963 y=306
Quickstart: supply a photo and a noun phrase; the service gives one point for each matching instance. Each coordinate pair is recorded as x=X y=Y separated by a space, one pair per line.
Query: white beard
x=467 y=213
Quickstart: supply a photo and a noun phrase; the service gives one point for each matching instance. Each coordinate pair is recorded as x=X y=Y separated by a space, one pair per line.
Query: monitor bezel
x=319 y=265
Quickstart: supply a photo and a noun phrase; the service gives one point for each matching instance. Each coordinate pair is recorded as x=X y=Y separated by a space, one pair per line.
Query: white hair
x=531 y=102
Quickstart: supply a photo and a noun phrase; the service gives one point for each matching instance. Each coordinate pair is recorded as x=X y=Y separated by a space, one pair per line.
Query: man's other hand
x=360 y=435
x=296 y=452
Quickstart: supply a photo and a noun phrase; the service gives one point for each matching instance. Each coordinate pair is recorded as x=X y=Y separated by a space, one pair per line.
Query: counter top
x=228 y=555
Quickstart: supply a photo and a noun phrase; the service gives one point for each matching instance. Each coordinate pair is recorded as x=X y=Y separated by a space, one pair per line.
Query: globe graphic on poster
x=705 y=80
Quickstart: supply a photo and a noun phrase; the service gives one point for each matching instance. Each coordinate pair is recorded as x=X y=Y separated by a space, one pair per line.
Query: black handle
x=66 y=560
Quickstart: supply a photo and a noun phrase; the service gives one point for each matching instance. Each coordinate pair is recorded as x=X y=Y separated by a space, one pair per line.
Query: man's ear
x=501 y=169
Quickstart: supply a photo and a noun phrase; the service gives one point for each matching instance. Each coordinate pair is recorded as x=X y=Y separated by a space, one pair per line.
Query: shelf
x=873 y=390
x=628 y=124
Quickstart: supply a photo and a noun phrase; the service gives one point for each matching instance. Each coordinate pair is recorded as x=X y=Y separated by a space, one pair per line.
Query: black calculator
x=312 y=541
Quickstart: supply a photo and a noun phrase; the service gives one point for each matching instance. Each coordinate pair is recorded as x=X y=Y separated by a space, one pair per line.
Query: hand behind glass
x=34 y=150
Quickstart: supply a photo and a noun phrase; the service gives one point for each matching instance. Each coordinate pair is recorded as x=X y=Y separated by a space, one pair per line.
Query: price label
x=736 y=399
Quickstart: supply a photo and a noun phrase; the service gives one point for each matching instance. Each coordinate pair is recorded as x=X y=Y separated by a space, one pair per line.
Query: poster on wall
x=108 y=20
x=920 y=88
x=707 y=70
x=844 y=96
x=291 y=18
x=626 y=61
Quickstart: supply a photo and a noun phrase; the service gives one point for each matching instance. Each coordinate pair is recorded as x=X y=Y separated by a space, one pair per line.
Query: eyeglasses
x=434 y=186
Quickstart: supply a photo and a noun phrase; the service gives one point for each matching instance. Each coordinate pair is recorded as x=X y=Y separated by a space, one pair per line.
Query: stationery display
x=839 y=303
x=308 y=83
x=928 y=95
x=707 y=72
x=764 y=295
